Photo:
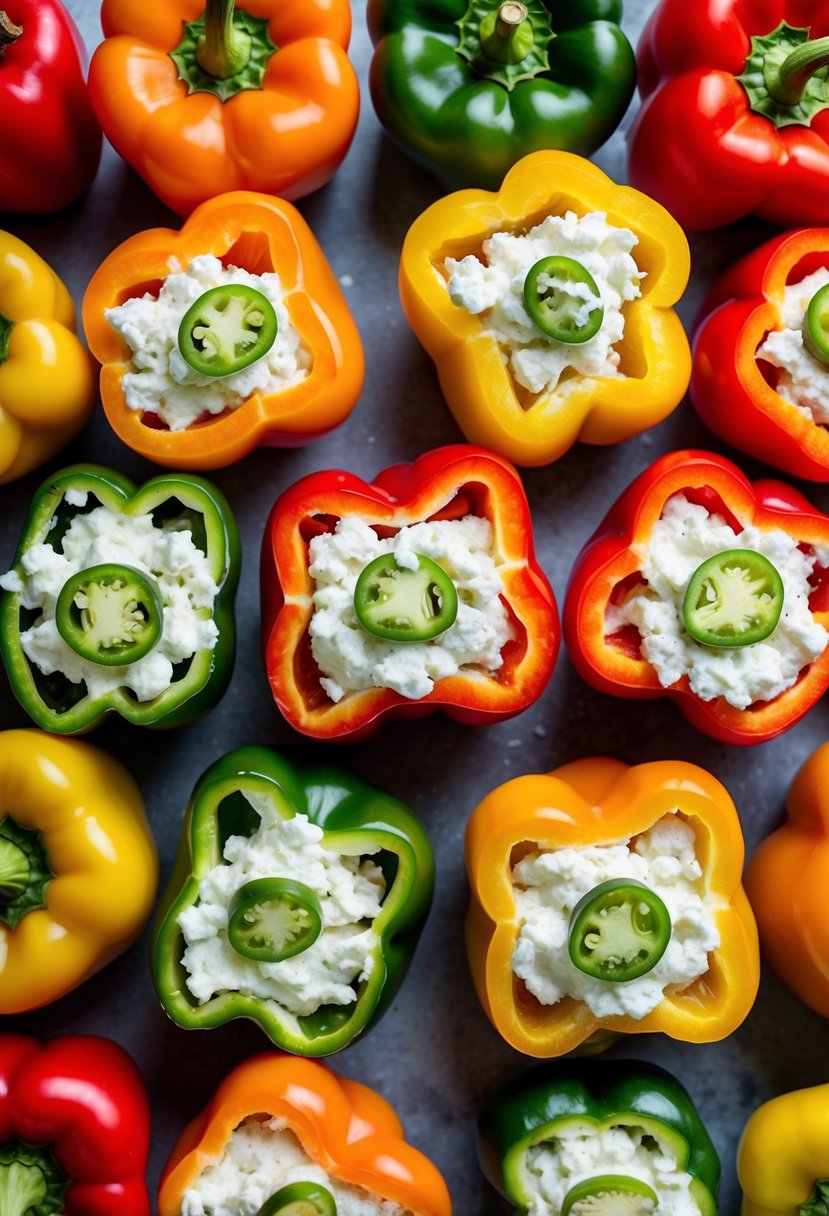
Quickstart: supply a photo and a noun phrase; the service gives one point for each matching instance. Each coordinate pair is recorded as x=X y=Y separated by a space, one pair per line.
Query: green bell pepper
x=356 y=819
x=54 y=702
x=467 y=89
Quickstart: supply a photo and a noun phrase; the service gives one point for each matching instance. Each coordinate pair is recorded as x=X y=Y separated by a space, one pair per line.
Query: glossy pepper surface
x=65 y=708
x=468 y=89
x=343 y=1126
x=593 y=802
x=608 y=566
x=261 y=235
x=447 y=483
x=783 y=1157
x=488 y=404
x=267 y=100
x=74 y=1128
x=356 y=819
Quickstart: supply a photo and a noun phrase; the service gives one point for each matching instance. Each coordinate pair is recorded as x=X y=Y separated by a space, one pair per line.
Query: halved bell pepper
x=343 y=1126
x=447 y=483
x=783 y=1157
x=609 y=563
x=66 y=708
x=261 y=235
x=357 y=819
x=601 y=801
x=488 y=405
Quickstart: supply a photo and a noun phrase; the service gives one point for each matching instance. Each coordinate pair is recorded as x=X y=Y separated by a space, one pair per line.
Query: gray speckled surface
x=434 y=1053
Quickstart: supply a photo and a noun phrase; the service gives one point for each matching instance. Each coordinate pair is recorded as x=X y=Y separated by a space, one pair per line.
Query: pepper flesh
x=783 y=1155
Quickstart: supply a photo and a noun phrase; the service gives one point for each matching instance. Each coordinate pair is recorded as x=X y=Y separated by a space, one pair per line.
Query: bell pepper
x=468 y=88
x=488 y=404
x=63 y=707
x=602 y=801
x=202 y=97
x=74 y=1128
x=609 y=563
x=47 y=387
x=343 y=1126
x=261 y=235
x=447 y=483
x=783 y=1156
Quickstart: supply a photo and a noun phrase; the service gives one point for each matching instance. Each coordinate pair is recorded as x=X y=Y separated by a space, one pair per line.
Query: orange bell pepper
x=343 y=1126
x=602 y=801
x=489 y=406
x=259 y=234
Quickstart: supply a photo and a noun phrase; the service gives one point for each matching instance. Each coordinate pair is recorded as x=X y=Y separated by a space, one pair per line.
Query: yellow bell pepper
x=489 y=405
x=47 y=382
x=783 y=1158
x=78 y=865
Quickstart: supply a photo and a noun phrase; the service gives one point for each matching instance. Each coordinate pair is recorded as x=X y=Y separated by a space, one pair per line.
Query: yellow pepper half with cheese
x=783 y=1158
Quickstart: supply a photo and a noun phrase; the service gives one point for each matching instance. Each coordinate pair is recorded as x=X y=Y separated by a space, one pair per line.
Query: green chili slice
x=110 y=614
x=557 y=294
x=227 y=329
x=816 y=326
x=271 y=919
x=610 y=1195
x=300 y=1199
x=733 y=599
x=619 y=931
x=403 y=605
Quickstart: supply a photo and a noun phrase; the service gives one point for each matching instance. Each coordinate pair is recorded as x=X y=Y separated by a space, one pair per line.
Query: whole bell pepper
x=202 y=97
x=783 y=1156
x=734 y=117
x=74 y=1129
x=356 y=819
x=344 y=1127
x=467 y=89
x=488 y=404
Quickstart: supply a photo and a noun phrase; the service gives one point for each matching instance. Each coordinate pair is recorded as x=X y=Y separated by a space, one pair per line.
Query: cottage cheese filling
x=803 y=381
x=680 y=542
x=159 y=380
x=495 y=288
x=352 y=659
x=548 y=885
x=260 y=1158
x=165 y=552
x=350 y=891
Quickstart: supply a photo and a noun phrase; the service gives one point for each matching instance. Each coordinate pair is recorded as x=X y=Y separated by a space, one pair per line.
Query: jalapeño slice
x=559 y=313
x=610 y=1195
x=733 y=599
x=816 y=326
x=300 y=1199
x=227 y=329
x=271 y=919
x=110 y=614
x=403 y=605
x=619 y=931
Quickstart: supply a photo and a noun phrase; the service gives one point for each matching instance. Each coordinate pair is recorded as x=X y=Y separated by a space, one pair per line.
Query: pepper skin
x=77 y=1107
x=447 y=483
x=260 y=234
x=614 y=665
x=783 y=1157
x=47 y=386
x=345 y=1127
x=487 y=403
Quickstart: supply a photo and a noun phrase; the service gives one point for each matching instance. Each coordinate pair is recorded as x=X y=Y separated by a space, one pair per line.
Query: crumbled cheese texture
x=547 y=886
x=166 y=553
x=352 y=659
x=679 y=543
x=581 y=1151
x=160 y=381
x=803 y=381
x=350 y=891
x=260 y=1158
x=495 y=288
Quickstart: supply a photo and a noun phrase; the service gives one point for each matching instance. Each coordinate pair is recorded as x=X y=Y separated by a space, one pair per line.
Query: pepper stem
x=506 y=35
x=9 y=31
x=223 y=50
x=818 y=1202
x=22 y=1188
x=6 y=326
x=14 y=874
x=787 y=81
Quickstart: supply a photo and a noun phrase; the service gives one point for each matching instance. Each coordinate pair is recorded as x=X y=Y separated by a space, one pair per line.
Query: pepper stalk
x=30 y=1181
x=9 y=32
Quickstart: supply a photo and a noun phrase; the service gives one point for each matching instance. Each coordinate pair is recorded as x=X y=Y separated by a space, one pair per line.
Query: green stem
x=6 y=326
x=506 y=35
x=14 y=873
x=787 y=81
x=22 y=1188
x=223 y=50
x=9 y=32
x=818 y=1202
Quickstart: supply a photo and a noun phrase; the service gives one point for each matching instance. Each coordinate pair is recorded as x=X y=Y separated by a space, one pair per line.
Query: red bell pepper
x=51 y=142
x=447 y=483
x=608 y=567
x=74 y=1128
x=734 y=119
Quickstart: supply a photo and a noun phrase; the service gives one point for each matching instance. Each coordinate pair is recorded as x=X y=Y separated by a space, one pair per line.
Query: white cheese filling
x=161 y=382
x=350 y=891
x=680 y=542
x=495 y=287
x=547 y=886
x=352 y=659
x=803 y=380
x=262 y=1156
x=166 y=553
